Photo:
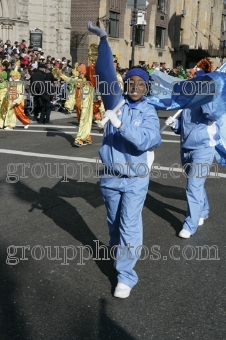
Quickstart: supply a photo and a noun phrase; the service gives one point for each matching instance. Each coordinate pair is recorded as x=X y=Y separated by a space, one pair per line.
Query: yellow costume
x=81 y=95
x=14 y=107
x=3 y=99
x=70 y=102
x=75 y=70
x=84 y=107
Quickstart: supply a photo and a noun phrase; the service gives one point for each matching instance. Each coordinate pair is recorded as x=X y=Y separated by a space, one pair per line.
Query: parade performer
x=15 y=107
x=69 y=104
x=98 y=106
x=3 y=100
x=75 y=70
x=199 y=136
x=84 y=107
x=119 y=77
x=98 y=109
x=127 y=153
x=81 y=95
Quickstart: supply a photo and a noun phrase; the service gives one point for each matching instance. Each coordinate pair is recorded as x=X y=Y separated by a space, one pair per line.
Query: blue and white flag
x=175 y=94
x=222 y=68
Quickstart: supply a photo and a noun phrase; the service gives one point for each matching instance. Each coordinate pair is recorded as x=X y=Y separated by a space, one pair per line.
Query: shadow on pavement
x=12 y=321
x=69 y=138
x=68 y=218
x=163 y=210
x=108 y=328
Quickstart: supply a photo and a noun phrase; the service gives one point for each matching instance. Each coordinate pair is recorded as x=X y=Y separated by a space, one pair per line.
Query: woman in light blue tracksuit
x=127 y=153
x=199 y=136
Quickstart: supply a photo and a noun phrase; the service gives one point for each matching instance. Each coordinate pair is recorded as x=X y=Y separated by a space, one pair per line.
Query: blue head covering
x=137 y=71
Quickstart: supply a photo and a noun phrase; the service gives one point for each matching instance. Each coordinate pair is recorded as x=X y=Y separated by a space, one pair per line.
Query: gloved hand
x=96 y=30
x=170 y=121
x=113 y=118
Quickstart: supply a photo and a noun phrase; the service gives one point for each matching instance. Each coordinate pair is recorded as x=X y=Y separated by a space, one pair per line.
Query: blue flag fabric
x=169 y=93
x=220 y=153
x=222 y=68
x=173 y=93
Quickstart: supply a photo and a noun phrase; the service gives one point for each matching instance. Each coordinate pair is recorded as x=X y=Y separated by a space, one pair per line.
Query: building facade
x=174 y=32
x=195 y=31
x=52 y=18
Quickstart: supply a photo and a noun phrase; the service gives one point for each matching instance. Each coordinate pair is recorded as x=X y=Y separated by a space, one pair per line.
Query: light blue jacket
x=128 y=150
x=197 y=127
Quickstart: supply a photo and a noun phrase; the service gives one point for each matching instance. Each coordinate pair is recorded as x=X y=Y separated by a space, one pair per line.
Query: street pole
x=223 y=50
x=134 y=31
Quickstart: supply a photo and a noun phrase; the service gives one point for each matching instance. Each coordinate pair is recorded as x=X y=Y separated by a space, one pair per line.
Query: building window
x=197 y=15
x=196 y=39
x=160 y=37
x=113 y=24
x=139 y=40
x=115 y=5
x=211 y=17
x=223 y=23
x=162 y=6
x=181 y=35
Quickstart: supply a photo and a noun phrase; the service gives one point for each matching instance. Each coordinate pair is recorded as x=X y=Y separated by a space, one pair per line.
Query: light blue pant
x=124 y=199
x=198 y=166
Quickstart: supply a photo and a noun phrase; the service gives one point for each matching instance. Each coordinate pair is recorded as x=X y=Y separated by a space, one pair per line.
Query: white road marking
x=76 y=127
x=91 y=160
x=58 y=132
x=49 y=126
x=170 y=141
x=170 y=133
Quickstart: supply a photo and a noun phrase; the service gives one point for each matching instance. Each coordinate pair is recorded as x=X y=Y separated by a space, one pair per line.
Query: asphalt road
x=49 y=291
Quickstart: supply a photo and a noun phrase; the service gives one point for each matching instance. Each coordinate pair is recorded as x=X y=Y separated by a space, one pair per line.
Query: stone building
x=52 y=17
x=195 y=31
x=177 y=32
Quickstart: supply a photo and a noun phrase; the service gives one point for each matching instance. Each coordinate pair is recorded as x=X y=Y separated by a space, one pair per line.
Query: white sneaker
x=201 y=220
x=122 y=291
x=8 y=128
x=26 y=126
x=184 y=234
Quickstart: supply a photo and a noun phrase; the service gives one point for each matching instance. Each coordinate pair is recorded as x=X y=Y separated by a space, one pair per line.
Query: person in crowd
x=39 y=88
x=6 y=67
x=22 y=46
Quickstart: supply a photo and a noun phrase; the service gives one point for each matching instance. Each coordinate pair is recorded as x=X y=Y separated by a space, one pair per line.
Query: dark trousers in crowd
x=45 y=110
x=37 y=106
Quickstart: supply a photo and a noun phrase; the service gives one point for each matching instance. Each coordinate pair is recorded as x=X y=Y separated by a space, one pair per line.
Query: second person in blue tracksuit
x=127 y=153
x=198 y=136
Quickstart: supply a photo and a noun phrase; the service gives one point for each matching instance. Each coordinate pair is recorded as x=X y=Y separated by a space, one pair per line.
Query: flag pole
x=175 y=116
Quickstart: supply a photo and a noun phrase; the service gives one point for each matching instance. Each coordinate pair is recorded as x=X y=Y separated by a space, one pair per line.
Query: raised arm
x=107 y=83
